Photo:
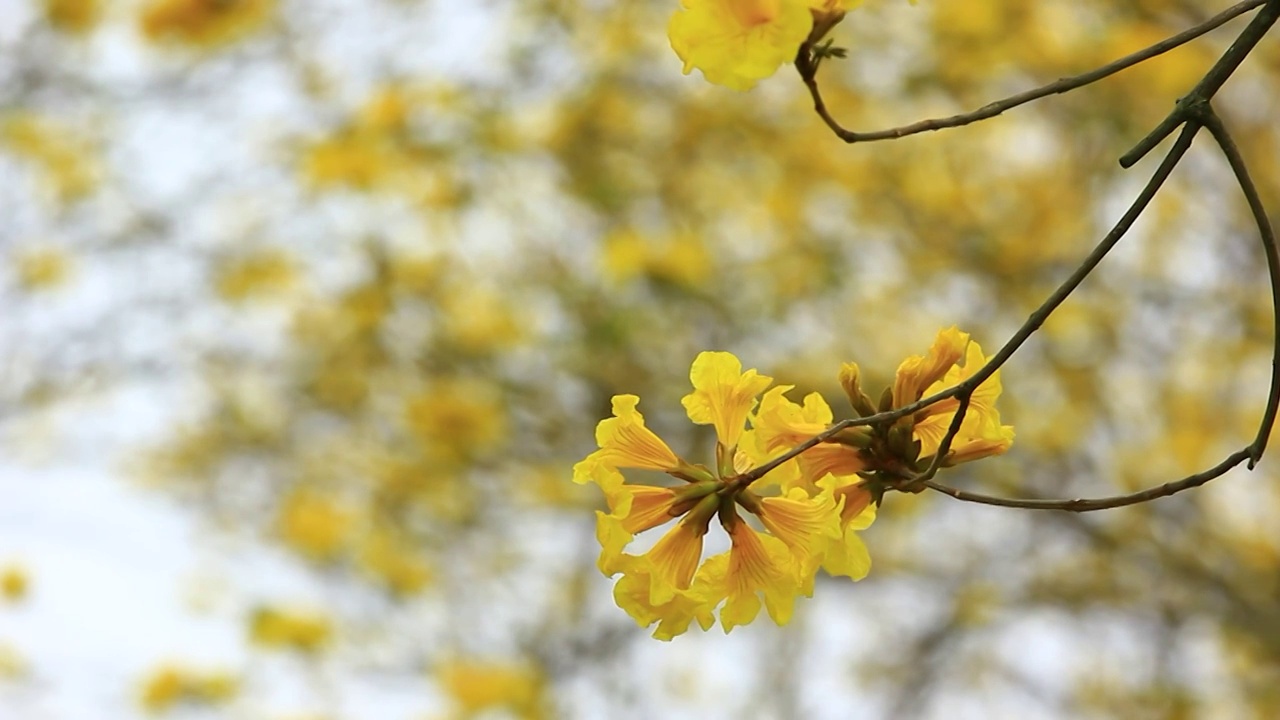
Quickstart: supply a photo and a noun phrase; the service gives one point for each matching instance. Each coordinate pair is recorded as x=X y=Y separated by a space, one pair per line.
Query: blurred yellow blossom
x=171 y=684
x=42 y=269
x=316 y=525
x=304 y=631
x=457 y=419
x=15 y=582
x=682 y=259
x=73 y=16
x=478 y=320
x=395 y=564
x=255 y=275
x=65 y=157
x=203 y=22
x=477 y=687
x=12 y=664
x=348 y=159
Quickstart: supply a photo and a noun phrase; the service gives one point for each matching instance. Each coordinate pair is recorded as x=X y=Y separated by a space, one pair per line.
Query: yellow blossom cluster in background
x=170 y=685
x=63 y=155
x=43 y=268
x=205 y=23
x=73 y=16
x=15 y=582
x=479 y=687
x=810 y=507
x=259 y=274
x=283 y=628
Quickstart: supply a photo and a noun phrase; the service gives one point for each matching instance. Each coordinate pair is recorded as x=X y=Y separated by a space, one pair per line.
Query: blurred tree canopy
x=382 y=265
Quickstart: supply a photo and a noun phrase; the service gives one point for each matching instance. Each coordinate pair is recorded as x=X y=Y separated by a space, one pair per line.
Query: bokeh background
x=308 y=307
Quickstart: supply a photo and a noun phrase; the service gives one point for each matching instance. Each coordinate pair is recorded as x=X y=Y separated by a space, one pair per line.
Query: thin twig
x=1033 y=322
x=944 y=447
x=807 y=66
x=1214 y=125
x=1209 y=85
x=1105 y=503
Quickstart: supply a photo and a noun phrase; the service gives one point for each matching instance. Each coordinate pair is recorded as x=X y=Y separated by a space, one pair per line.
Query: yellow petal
x=757 y=564
x=917 y=373
x=723 y=395
x=674 y=560
x=626 y=443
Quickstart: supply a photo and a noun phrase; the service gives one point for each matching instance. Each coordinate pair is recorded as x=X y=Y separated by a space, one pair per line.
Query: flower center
x=751 y=13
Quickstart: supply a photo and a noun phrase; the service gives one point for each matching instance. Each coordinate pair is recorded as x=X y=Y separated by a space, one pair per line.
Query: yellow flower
x=257 y=275
x=73 y=16
x=170 y=684
x=782 y=424
x=675 y=558
x=477 y=687
x=804 y=524
x=315 y=525
x=917 y=373
x=674 y=614
x=666 y=585
x=755 y=565
x=981 y=434
x=625 y=442
x=14 y=583
x=203 y=22
x=300 y=630
x=848 y=555
x=723 y=395
x=735 y=43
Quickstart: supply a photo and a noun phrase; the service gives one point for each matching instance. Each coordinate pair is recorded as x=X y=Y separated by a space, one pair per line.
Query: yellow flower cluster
x=206 y=23
x=169 y=685
x=478 y=688
x=303 y=631
x=736 y=43
x=806 y=511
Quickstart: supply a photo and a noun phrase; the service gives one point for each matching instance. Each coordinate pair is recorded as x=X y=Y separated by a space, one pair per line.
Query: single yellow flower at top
x=722 y=394
x=736 y=43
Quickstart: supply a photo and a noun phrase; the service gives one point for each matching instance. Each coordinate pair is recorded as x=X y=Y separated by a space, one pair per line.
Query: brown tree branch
x=1034 y=321
x=1209 y=85
x=1104 y=503
x=807 y=66
x=1214 y=125
x=1192 y=112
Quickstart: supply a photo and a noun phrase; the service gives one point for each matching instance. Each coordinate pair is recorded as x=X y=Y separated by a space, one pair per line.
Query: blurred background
x=308 y=308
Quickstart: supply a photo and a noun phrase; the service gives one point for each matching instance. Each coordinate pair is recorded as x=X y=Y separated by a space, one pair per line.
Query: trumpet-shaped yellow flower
x=848 y=555
x=625 y=442
x=722 y=394
x=783 y=424
x=675 y=614
x=981 y=434
x=736 y=43
x=756 y=564
x=917 y=373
